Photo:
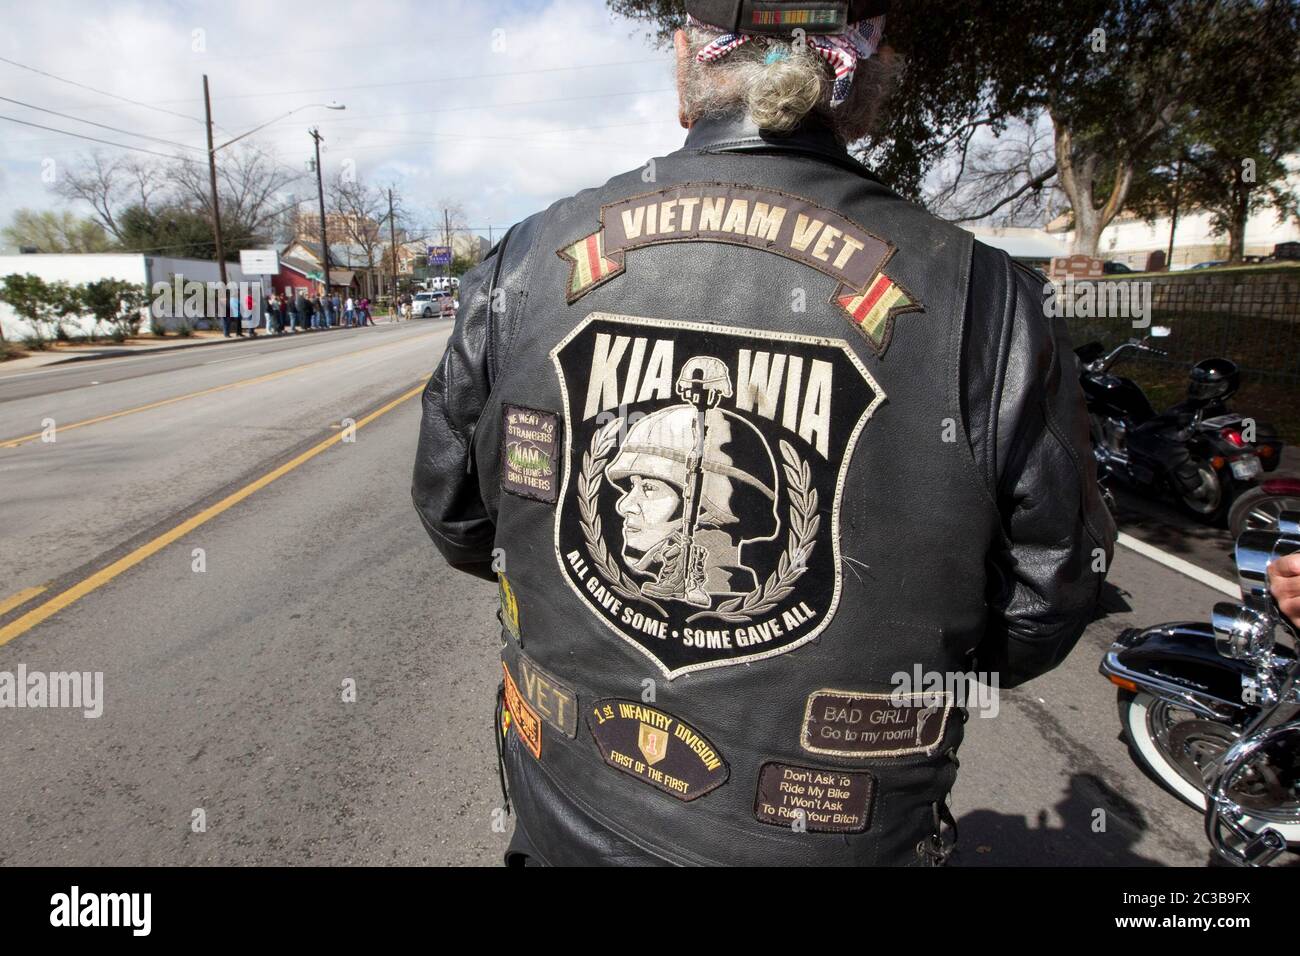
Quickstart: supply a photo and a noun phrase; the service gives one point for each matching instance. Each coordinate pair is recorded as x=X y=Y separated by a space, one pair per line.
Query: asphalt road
x=226 y=669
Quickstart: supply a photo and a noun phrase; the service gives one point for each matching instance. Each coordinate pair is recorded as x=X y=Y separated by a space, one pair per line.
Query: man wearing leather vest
x=762 y=457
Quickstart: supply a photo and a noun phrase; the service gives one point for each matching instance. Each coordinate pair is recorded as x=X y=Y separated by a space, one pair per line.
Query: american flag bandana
x=842 y=51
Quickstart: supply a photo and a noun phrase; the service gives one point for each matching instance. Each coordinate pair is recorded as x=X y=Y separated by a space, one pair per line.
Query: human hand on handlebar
x=1284 y=582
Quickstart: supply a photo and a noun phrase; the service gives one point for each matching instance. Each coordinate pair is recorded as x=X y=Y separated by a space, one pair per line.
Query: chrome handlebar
x=1248 y=632
x=1103 y=364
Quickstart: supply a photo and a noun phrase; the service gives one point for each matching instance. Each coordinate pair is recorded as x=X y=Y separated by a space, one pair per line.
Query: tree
x=43 y=304
x=250 y=181
x=359 y=209
x=62 y=231
x=168 y=230
x=116 y=303
x=1111 y=75
x=1233 y=163
x=139 y=201
x=110 y=184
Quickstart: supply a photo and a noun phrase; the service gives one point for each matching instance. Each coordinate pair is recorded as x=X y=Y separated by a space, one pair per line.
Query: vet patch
x=821 y=801
x=777 y=222
x=523 y=718
x=509 y=608
x=845 y=724
x=656 y=748
x=530 y=445
x=699 y=514
x=556 y=704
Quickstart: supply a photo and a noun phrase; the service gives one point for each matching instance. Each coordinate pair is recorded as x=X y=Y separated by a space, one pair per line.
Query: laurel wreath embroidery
x=804 y=521
x=593 y=470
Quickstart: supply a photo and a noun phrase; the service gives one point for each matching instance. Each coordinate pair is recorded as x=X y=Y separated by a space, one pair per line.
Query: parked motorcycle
x=1259 y=508
x=1213 y=710
x=1199 y=451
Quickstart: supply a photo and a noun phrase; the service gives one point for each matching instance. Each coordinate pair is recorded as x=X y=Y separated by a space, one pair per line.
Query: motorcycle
x=1212 y=711
x=1199 y=451
x=1259 y=508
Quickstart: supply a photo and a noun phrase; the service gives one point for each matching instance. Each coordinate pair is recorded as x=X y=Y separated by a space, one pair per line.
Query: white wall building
x=1130 y=240
x=78 y=268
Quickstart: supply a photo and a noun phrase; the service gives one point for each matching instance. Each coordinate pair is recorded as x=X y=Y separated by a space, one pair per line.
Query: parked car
x=438 y=302
x=1210 y=264
x=1114 y=267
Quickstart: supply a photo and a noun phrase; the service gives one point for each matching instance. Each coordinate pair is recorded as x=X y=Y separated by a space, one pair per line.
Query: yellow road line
x=22 y=597
x=101 y=577
x=22 y=439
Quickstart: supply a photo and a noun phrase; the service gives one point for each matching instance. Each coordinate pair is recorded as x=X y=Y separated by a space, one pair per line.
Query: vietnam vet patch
x=656 y=748
x=523 y=717
x=556 y=704
x=766 y=219
x=699 y=514
x=844 y=724
x=821 y=801
x=530 y=444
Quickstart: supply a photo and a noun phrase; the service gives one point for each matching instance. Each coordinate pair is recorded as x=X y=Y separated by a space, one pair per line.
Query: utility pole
x=392 y=239
x=1173 y=219
x=446 y=237
x=212 y=180
x=320 y=195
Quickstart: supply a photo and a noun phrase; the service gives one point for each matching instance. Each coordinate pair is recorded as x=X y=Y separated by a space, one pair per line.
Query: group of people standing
x=300 y=312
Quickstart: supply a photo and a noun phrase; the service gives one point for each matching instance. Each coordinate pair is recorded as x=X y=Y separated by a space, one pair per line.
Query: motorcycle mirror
x=1160 y=331
x=1241 y=633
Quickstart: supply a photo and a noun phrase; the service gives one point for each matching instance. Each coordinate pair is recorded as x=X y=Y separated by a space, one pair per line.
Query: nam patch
x=523 y=718
x=509 y=608
x=556 y=704
x=699 y=514
x=822 y=801
x=765 y=219
x=530 y=445
x=656 y=748
x=844 y=724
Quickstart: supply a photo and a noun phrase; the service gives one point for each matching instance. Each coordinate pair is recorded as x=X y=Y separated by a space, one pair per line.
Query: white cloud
x=471 y=102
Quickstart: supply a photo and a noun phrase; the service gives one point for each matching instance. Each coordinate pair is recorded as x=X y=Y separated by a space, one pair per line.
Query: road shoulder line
x=1182 y=566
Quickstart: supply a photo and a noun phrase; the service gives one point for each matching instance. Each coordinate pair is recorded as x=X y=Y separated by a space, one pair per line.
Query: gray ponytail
x=786 y=90
x=778 y=94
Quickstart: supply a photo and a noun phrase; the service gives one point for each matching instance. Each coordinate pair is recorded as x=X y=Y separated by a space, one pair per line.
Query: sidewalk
x=112 y=350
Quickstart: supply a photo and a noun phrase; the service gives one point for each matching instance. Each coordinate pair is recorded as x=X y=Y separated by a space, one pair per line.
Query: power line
x=115 y=129
x=445 y=79
x=95 y=139
x=124 y=99
x=462 y=138
x=493 y=106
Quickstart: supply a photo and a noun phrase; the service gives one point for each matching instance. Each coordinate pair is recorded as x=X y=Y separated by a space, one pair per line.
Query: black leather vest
x=724 y=455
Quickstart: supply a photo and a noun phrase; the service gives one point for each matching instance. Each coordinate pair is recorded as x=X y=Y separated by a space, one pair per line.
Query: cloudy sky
x=500 y=106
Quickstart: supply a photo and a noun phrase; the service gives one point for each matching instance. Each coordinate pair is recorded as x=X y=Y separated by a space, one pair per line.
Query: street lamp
x=212 y=164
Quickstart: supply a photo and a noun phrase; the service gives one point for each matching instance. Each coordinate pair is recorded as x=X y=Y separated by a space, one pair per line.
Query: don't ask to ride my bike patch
x=699 y=512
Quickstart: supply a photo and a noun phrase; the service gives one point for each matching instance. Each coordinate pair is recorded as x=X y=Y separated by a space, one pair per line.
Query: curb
x=154 y=350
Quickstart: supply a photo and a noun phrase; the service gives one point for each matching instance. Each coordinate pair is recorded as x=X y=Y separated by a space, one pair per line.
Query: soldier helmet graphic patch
x=700 y=507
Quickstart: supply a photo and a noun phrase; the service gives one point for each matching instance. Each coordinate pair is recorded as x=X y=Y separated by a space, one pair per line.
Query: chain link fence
x=1254 y=320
